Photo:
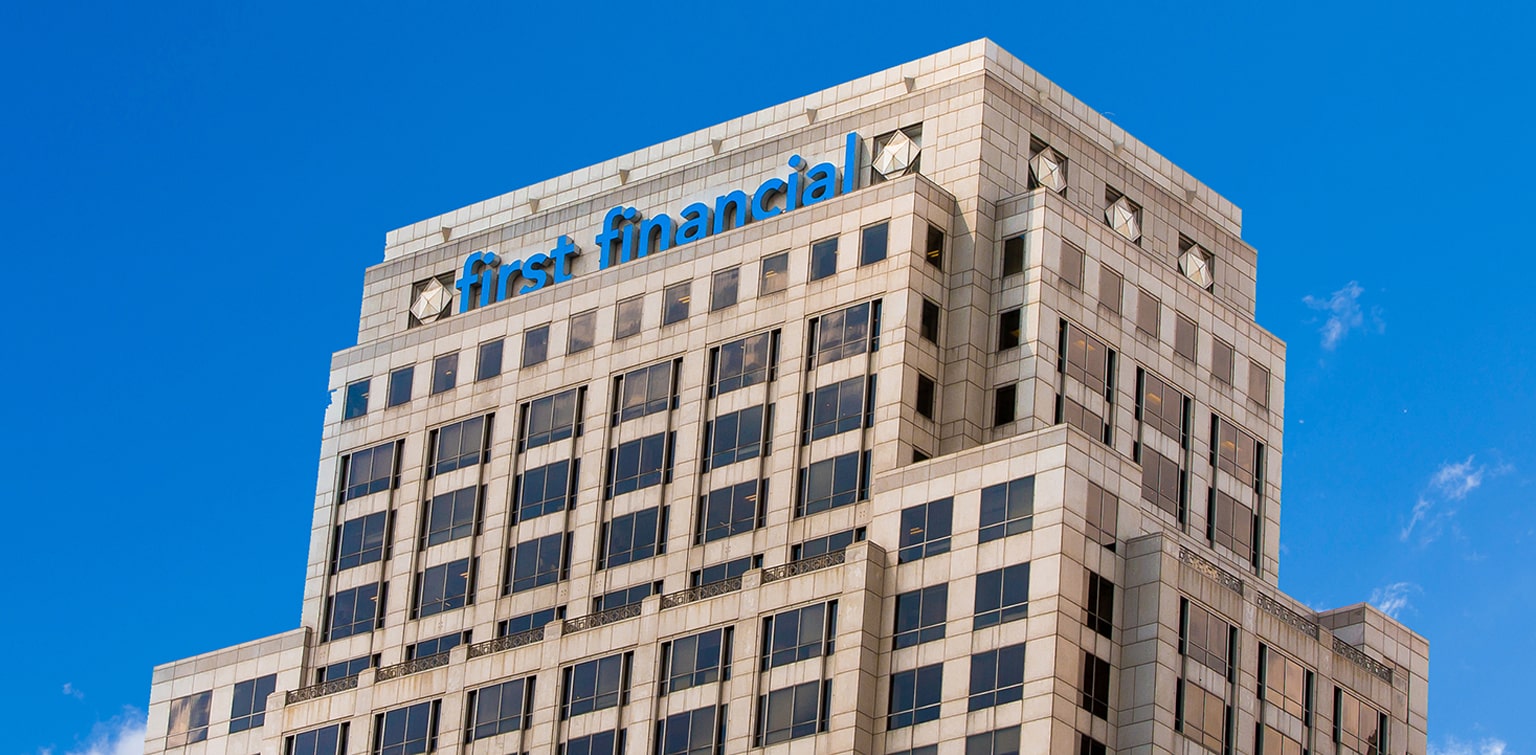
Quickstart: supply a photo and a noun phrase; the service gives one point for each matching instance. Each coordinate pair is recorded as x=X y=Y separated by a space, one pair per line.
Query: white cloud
x=1455 y=481
x=71 y=690
x=123 y=735
x=1454 y=746
x=1394 y=598
x=1344 y=313
x=1437 y=505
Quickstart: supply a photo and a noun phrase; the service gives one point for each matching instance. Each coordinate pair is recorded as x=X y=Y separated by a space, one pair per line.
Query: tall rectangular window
x=534 y=563
x=1185 y=333
x=722 y=288
x=703 y=658
x=675 y=300
x=834 y=482
x=500 y=708
x=1007 y=508
x=774 y=276
x=370 y=470
x=1202 y=716
x=627 y=316
x=695 y=732
x=793 y=712
x=1272 y=742
x=359 y=541
x=638 y=464
x=928 y=323
x=188 y=721
x=933 y=248
x=1162 y=408
x=873 y=241
x=1111 y=288
x=731 y=510
x=921 y=615
x=595 y=685
x=357 y=399
x=1148 y=312
x=249 y=708
x=1087 y=745
x=445 y=373
x=406 y=731
x=545 y=490
x=1206 y=638
x=744 y=362
x=459 y=445
x=1258 y=384
x=915 y=696
x=1013 y=256
x=488 y=361
x=802 y=633
x=1231 y=524
x=1004 y=403
x=997 y=677
x=400 y=385
x=444 y=587
x=581 y=332
x=1102 y=516
x=1100 y=607
x=647 y=390
x=1357 y=727
x=1285 y=684
x=451 y=516
x=926 y=400
x=1237 y=453
x=837 y=408
x=551 y=418
x=327 y=740
x=1095 y=685
x=354 y=611
x=823 y=258
x=1002 y=595
x=845 y=333
x=1162 y=482
x=737 y=436
x=535 y=345
x=1086 y=359
x=1010 y=329
x=1071 y=264
x=925 y=530
x=1221 y=361
x=634 y=537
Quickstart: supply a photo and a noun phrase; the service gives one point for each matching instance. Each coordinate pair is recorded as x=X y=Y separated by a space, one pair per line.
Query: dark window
x=873 y=241
x=1008 y=508
x=793 y=712
x=1087 y=745
x=359 y=541
x=406 y=731
x=645 y=391
x=626 y=317
x=1184 y=333
x=601 y=743
x=925 y=530
x=249 y=709
x=737 y=436
x=595 y=685
x=997 y=677
x=820 y=546
x=720 y=572
x=837 y=408
x=1071 y=264
x=370 y=470
x=1148 y=312
x=545 y=490
x=629 y=596
x=1013 y=255
x=915 y=696
x=435 y=646
x=739 y=364
x=1357 y=726
x=329 y=740
x=1069 y=411
x=581 y=332
x=639 y=463
x=445 y=587
x=535 y=345
x=1202 y=716
x=723 y=288
x=1236 y=453
x=702 y=658
x=552 y=418
x=488 y=364
x=633 y=537
x=537 y=562
x=1231 y=524
x=675 y=300
x=1004 y=401
x=1272 y=742
x=1206 y=638
x=925 y=396
x=1100 y=608
x=1087 y=359
x=1258 y=383
x=451 y=516
x=461 y=444
x=1111 y=289
x=1162 y=482
x=500 y=708
x=1221 y=361
x=346 y=669
x=999 y=742
x=1286 y=684
x=796 y=635
x=445 y=373
x=921 y=615
x=933 y=250
x=775 y=274
x=354 y=611
x=1002 y=595
x=830 y=483
x=1095 y=685
x=823 y=258
x=400 y=385
x=528 y=621
x=928 y=324
x=189 y=719
x=850 y=332
x=731 y=510
x=1103 y=514
x=1162 y=408
x=357 y=399
x=696 y=732
x=1010 y=329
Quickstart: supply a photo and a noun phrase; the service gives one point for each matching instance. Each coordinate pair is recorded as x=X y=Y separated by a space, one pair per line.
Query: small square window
x=1071 y=264
x=823 y=258
x=357 y=399
x=676 y=299
x=1007 y=509
x=1111 y=286
x=445 y=373
x=925 y=530
x=925 y=395
x=626 y=320
x=1002 y=595
x=1010 y=329
x=873 y=242
x=489 y=363
x=933 y=250
x=775 y=274
x=1003 y=403
x=1148 y=309
x=929 y=325
x=1184 y=334
x=535 y=345
x=1258 y=383
x=722 y=289
x=920 y=615
x=1013 y=256
x=582 y=333
x=400 y=385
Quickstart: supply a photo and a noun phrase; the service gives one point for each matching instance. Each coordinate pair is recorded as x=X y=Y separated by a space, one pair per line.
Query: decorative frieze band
x=1295 y=620
x=1362 y=660
x=785 y=571
x=1200 y=564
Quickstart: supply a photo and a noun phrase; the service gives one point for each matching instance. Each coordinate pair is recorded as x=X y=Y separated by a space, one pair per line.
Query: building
x=926 y=414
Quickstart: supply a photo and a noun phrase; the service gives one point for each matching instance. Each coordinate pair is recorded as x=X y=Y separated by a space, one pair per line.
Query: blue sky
x=191 y=192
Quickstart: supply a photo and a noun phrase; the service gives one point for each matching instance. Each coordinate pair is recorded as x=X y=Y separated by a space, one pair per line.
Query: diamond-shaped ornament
x=431 y=301
x=1196 y=266
x=1049 y=169
x=896 y=156
x=1122 y=217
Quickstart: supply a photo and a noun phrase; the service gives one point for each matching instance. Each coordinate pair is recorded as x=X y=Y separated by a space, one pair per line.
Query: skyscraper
x=926 y=414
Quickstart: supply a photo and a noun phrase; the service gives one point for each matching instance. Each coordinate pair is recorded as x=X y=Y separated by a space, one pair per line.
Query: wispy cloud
x=71 y=690
x=1455 y=481
x=123 y=735
x=1438 y=503
x=1393 y=599
x=1345 y=314
x=1454 y=746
